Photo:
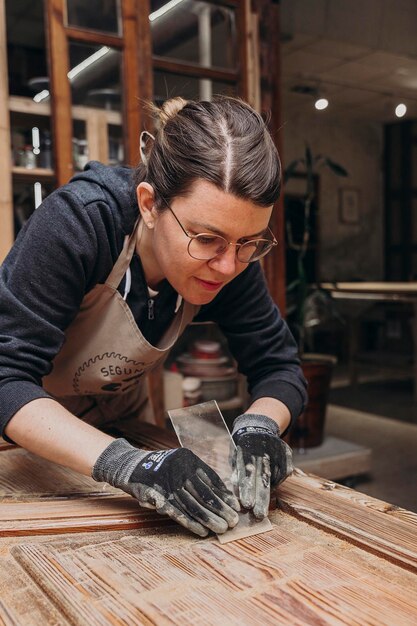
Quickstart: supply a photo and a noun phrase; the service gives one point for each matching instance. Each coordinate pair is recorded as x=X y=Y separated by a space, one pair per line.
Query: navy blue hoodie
x=70 y=244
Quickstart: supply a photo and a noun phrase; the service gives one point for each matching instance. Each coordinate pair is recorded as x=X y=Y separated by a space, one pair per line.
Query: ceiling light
x=321 y=103
x=164 y=9
x=400 y=110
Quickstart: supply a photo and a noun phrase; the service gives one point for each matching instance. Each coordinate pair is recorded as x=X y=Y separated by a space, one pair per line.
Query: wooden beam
x=243 y=17
x=144 y=55
x=58 y=58
x=269 y=25
x=195 y=70
x=131 y=105
x=92 y=37
x=252 y=57
x=375 y=526
x=6 y=196
x=97 y=136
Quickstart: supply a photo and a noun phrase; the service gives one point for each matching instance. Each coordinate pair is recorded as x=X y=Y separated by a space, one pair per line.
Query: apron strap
x=122 y=264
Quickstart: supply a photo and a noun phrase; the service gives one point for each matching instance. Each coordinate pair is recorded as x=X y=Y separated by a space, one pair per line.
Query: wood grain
x=287 y=576
x=374 y=525
x=69 y=502
x=80 y=515
x=26 y=476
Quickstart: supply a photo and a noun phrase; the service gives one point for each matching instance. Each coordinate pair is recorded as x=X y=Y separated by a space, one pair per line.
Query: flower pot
x=308 y=431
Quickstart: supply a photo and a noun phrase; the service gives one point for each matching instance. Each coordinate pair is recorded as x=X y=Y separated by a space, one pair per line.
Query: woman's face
x=206 y=209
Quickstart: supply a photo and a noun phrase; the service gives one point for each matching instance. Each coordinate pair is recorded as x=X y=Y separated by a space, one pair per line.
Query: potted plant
x=307 y=306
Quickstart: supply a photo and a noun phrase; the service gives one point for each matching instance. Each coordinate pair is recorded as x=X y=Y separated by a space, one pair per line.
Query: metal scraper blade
x=202 y=429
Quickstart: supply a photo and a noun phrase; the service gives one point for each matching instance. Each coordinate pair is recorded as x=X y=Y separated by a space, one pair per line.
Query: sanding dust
x=245 y=528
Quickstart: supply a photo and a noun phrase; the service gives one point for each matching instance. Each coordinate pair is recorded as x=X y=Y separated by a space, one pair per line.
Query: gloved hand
x=175 y=482
x=261 y=460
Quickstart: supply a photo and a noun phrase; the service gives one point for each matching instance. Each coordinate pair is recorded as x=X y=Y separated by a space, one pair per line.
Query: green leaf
x=291 y=169
x=336 y=168
x=293 y=285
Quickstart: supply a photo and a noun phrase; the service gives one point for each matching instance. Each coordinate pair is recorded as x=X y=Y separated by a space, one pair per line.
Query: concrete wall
x=347 y=251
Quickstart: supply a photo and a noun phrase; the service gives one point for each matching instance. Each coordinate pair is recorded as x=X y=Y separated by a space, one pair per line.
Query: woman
x=94 y=293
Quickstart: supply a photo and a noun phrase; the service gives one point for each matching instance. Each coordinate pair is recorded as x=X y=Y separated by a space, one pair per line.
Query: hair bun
x=170 y=108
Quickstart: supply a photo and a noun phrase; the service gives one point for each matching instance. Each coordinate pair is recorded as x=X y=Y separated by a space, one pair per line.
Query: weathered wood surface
x=374 y=525
x=76 y=515
x=68 y=502
x=334 y=557
x=25 y=476
x=294 y=575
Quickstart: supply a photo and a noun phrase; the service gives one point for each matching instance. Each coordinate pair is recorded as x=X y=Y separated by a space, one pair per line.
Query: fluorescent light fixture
x=42 y=95
x=321 y=104
x=164 y=9
x=400 y=110
x=37 y=192
x=36 y=140
x=88 y=61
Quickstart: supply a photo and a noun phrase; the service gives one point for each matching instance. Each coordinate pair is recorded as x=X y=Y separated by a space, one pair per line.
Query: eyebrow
x=206 y=227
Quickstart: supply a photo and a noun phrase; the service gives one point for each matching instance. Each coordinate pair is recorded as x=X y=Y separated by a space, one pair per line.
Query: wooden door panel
x=295 y=574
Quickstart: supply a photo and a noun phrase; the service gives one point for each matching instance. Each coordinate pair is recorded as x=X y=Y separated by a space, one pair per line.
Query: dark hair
x=223 y=141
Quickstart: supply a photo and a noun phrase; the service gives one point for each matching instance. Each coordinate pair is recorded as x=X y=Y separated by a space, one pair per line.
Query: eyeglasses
x=205 y=246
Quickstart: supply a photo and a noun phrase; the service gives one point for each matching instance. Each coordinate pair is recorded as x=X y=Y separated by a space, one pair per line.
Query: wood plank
x=58 y=58
x=70 y=502
x=292 y=575
x=243 y=23
x=376 y=526
x=93 y=37
x=97 y=136
x=6 y=196
x=6 y=445
x=270 y=64
x=37 y=173
x=194 y=69
x=112 y=512
x=18 y=104
x=144 y=54
x=131 y=94
x=25 y=476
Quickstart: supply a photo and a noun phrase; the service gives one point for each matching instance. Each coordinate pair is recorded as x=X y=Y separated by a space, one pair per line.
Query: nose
x=225 y=263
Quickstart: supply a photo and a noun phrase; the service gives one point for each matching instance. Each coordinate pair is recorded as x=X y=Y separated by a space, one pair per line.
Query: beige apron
x=99 y=372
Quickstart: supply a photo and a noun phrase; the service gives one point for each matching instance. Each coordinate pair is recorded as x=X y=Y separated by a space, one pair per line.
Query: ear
x=146 y=201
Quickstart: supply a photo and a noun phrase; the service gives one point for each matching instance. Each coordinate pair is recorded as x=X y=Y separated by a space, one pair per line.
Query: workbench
x=364 y=294
x=77 y=552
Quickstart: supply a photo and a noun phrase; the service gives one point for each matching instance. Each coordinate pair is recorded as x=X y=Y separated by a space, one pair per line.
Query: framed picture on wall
x=349 y=211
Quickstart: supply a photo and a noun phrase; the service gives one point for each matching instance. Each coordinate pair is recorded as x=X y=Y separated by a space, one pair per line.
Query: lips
x=209 y=284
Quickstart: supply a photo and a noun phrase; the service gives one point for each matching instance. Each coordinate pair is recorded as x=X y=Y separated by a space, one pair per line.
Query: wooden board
x=26 y=476
x=68 y=502
x=76 y=515
x=292 y=575
x=374 y=525
x=334 y=556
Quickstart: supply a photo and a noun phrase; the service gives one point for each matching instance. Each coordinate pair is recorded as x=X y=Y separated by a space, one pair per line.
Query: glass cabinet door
x=97 y=15
x=194 y=31
x=195 y=49
x=29 y=105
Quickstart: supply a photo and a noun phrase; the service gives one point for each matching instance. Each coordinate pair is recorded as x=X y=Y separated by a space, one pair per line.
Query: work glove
x=175 y=482
x=261 y=460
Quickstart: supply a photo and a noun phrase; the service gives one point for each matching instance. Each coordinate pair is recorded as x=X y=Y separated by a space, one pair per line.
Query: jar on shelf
x=29 y=157
x=80 y=153
x=191 y=391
